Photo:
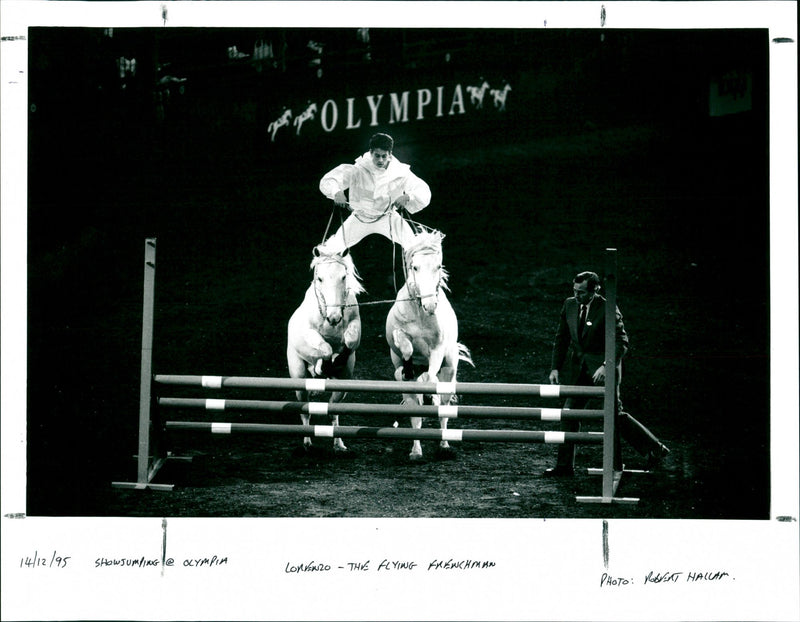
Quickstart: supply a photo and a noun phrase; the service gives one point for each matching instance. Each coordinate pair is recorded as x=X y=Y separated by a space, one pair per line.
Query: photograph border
x=537 y=566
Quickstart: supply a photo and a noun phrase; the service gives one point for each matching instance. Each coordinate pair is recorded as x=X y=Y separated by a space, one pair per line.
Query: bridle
x=411 y=281
x=322 y=305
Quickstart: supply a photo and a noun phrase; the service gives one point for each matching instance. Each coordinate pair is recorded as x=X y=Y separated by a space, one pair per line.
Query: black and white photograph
x=321 y=279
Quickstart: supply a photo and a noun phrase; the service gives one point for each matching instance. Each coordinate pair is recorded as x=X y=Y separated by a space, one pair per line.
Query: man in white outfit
x=378 y=184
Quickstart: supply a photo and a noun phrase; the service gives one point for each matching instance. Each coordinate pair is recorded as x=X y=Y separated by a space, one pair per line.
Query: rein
x=380 y=302
x=417 y=227
x=328 y=226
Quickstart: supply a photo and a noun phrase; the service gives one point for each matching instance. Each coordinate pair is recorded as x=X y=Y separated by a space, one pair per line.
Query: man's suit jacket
x=570 y=353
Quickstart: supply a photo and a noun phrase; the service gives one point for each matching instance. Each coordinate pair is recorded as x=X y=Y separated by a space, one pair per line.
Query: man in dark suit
x=579 y=359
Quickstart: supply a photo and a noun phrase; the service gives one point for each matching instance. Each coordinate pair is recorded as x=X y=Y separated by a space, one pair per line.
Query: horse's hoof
x=415 y=457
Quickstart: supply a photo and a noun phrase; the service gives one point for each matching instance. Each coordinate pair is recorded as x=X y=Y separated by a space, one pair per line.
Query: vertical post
x=147 y=464
x=610 y=397
x=143 y=459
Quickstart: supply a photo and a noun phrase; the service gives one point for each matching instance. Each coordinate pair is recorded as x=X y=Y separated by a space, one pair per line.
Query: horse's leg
x=309 y=347
x=305 y=418
x=404 y=345
x=340 y=363
x=338 y=396
x=432 y=375
x=404 y=364
x=435 y=400
x=313 y=348
x=352 y=334
x=404 y=372
x=412 y=399
x=447 y=374
x=297 y=369
x=343 y=365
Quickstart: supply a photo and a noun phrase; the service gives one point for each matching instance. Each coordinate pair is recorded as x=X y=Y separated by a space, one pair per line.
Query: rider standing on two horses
x=380 y=187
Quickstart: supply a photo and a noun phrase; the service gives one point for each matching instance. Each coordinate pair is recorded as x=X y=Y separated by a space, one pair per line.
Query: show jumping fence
x=152 y=454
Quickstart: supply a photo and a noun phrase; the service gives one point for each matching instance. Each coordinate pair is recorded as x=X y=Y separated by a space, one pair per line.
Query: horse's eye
x=416 y=268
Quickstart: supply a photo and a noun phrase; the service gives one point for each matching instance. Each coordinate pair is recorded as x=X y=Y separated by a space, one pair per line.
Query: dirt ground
x=687 y=216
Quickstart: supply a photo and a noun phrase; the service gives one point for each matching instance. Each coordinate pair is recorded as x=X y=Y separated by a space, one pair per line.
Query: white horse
x=325 y=330
x=422 y=328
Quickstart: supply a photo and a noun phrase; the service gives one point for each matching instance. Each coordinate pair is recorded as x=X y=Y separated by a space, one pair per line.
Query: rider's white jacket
x=373 y=190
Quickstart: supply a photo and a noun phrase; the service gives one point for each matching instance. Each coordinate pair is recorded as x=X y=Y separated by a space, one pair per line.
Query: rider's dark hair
x=381 y=141
x=591 y=278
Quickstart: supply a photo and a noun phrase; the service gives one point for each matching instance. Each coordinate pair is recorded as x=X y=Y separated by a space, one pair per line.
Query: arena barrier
x=152 y=454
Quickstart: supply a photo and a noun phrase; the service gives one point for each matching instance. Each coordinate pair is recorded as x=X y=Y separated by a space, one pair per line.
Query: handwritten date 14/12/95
x=38 y=561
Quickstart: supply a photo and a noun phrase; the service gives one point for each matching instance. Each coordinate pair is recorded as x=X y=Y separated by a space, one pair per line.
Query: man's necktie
x=581 y=321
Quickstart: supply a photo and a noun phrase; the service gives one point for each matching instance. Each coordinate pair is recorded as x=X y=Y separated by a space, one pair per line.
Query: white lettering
x=329 y=126
x=458 y=100
x=399 y=111
x=424 y=97
x=373 y=107
x=350 y=124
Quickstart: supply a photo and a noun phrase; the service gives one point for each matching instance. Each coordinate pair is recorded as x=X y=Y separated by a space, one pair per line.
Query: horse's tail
x=464 y=354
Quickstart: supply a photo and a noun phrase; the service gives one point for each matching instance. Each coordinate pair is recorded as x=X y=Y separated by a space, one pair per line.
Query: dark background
x=607 y=141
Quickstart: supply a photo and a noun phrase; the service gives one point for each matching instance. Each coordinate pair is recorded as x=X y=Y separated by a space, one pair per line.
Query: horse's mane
x=353 y=280
x=431 y=241
x=426 y=240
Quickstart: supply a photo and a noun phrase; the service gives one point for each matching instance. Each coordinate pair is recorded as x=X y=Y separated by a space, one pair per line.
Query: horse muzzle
x=429 y=303
x=333 y=315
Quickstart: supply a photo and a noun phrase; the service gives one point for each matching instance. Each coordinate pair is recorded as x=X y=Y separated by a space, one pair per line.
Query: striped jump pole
x=406 y=410
x=381 y=386
x=329 y=431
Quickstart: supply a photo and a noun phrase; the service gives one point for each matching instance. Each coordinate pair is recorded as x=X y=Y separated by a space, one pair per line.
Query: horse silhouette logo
x=476 y=94
x=304 y=116
x=499 y=96
x=279 y=122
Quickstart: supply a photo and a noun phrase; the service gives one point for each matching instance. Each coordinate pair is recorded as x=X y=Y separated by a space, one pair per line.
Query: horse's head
x=424 y=272
x=335 y=277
